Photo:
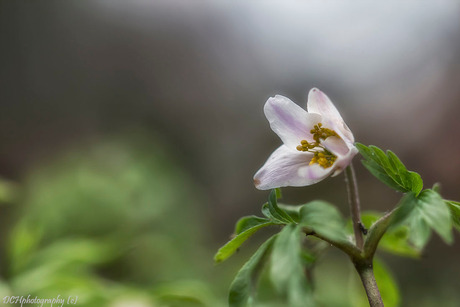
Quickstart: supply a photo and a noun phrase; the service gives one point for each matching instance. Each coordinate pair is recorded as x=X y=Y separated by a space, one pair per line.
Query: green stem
x=353 y=200
x=366 y=273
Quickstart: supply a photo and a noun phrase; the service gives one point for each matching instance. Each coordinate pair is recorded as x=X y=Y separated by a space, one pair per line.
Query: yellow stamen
x=321 y=155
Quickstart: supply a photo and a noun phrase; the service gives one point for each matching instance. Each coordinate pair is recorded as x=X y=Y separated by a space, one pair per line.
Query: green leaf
x=292 y=211
x=247 y=222
x=231 y=247
x=241 y=287
x=421 y=213
x=420 y=231
x=286 y=267
x=275 y=212
x=381 y=174
x=455 y=212
x=396 y=241
x=416 y=182
x=436 y=214
x=324 y=219
x=389 y=169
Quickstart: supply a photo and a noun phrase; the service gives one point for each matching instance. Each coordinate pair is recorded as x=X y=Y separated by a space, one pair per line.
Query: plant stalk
x=366 y=273
x=353 y=200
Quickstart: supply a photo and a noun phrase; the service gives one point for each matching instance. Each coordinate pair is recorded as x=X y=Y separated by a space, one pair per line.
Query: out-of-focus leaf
x=394 y=241
x=241 y=287
x=286 y=269
x=389 y=169
x=324 y=219
x=184 y=293
x=247 y=222
x=8 y=191
x=24 y=241
x=455 y=212
x=230 y=248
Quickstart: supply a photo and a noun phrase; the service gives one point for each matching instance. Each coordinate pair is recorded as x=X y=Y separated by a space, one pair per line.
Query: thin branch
x=353 y=200
x=345 y=246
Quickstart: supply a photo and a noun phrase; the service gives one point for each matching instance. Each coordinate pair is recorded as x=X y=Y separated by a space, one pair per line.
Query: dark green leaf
x=286 y=269
x=292 y=211
x=230 y=248
x=247 y=222
x=380 y=174
x=324 y=219
x=241 y=287
x=266 y=212
x=389 y=169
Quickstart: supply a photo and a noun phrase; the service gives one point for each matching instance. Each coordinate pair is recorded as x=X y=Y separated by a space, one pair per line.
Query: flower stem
x=353 y=200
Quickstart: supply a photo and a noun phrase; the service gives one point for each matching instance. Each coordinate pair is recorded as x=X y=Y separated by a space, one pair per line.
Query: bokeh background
x=130 y=132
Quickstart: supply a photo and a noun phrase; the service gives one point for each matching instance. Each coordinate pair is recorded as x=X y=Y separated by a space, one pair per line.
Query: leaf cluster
x=419 y=213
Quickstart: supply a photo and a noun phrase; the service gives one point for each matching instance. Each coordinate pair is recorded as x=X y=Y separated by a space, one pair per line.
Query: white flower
x=317 y=143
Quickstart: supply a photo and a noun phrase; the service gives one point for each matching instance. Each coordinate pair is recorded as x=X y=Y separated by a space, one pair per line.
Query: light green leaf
x=286 y=269
x=455 y=212
x=324 y=219
x=420 y=231
x=230 y=248
x=241 y=287
x=421 y=213
x=416 y=182
x=396 y=241
x=436 y=214
x=247 y=222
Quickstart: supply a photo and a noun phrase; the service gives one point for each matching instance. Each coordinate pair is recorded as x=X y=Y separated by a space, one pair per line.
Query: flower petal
x=335 y=145
x=289 y=121
x=319 y=103
x=314 y=173
x=282 y=170
x=343 y=161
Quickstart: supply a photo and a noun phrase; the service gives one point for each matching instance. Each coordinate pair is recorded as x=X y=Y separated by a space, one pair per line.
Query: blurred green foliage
x=115 y=223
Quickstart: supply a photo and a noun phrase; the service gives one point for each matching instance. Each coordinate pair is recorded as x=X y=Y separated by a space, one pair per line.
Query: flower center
x=321 y=155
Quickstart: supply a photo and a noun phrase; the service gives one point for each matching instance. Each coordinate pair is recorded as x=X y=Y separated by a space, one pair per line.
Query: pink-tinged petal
x=289 y=121
x=314 y=173
x=282 y=169
x=335 y=145
x=343 y=161
x=319 y=103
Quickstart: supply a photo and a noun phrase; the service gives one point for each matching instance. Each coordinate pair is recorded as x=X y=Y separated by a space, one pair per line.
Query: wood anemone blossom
x=316 y=143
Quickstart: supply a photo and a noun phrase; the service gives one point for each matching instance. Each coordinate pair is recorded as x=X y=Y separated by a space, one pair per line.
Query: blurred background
x=130 y=132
